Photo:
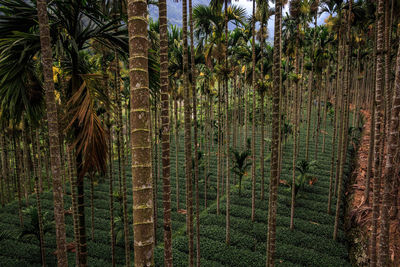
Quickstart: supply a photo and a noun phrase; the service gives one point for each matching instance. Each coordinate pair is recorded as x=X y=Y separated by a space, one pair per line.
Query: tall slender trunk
x=47 y=62
x=74 y=204
x=392 y=146
x=121 y=160
x=227 y=137
x=310 y=84
x=295 y=132
x=335 y=127
x=219 y=171
x=4 y=166
x=27 y=155
x=165 y=133
x=273 y=193
x=17 y=181
x=109 y=174
x=195 y=132
x=253 y=134
x=318 y=122
x=378 y=128
x=40 y=220
x=262 y=146
x=92 y=205
x=142 y=184
x=176 y=151
x=188 y=139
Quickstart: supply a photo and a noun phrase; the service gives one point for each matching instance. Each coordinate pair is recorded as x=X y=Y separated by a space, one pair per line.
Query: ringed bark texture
x=142 y=184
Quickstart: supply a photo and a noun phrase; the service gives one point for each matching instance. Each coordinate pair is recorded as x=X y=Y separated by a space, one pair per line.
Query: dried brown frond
x=90 y=139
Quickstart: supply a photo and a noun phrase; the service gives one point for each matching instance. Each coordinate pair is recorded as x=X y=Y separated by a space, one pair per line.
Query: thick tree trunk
x=142 y=184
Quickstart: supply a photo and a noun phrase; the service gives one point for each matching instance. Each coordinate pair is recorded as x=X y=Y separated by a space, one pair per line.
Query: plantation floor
x=310 y=244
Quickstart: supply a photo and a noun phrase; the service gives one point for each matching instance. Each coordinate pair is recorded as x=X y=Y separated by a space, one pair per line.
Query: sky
x=174 y=11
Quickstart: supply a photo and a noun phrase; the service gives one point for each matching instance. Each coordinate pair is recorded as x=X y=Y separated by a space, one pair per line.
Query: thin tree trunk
x=345 y=104
x=165 y=130
x=188 y=145
x=40 y=220
x=121 y=160
x=72 y=181
x=253 y=134
x=176 y=152
x=393 y=137
x=47 y=62
x=273 y=193
x=378 y=128
x=296 y=64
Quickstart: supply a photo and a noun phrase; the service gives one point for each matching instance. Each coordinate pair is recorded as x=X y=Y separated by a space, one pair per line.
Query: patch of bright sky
x=174 y=11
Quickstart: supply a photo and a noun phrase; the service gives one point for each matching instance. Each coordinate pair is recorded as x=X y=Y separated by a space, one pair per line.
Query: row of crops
x=310 y=244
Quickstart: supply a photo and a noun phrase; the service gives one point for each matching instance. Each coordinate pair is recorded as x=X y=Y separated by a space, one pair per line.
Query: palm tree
x=47 y=64
x=37 y=227
x=389 y=167
x=193 y=87
x=295 y=13
x=273 y=189
x=253 y=138
x=345 y=118
x=240 y=164
x=314 y=12
x=187 y=139
x=142 y=184
x=165 y=133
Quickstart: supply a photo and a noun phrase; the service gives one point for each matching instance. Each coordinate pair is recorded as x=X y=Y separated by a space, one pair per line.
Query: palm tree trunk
x=195 y=132
x=26 y=160
x=4 y=166
x=109 y=174
x=47 y=62
x=262 y=146
x=318 y=116
x=378 y=127
x=227 y=137
x=92 y=205
x=274 y=180
x=188 y=139
x=253 y=136
x=74 y=204
x=165 y=133
x=345 y=121
x=176 y=152
x=335 y=127
x=121 y=160
x=142 y=184
x=389 y=171
x=219 y=170
x=17 y=160
x=40 y=219
x=296 y=64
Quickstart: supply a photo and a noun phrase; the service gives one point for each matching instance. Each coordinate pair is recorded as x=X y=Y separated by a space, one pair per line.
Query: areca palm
x=73 y=24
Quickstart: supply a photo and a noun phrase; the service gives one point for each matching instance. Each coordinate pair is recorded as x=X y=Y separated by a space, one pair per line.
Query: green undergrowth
x=309 y=244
